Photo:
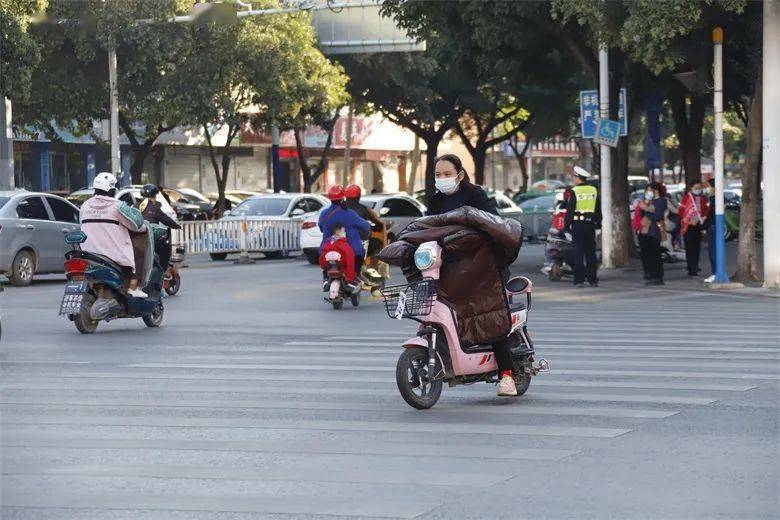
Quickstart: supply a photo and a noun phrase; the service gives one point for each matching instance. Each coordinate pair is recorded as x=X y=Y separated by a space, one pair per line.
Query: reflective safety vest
x=586 y=198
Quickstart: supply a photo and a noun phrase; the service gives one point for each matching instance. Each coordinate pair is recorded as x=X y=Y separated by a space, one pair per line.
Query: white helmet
x=582 y=173
x=104 y=181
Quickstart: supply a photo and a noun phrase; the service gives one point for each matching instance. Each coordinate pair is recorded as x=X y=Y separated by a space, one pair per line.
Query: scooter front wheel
x=417 y=389
x=154 y=318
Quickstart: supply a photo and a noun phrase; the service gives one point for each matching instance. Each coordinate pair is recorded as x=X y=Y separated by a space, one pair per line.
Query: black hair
x=711 y=182
x=336 y=227
x=452 y=159
x=456 y=162
x=109 y=193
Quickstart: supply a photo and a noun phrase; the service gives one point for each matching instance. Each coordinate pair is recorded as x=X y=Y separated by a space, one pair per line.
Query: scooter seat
x=95 y=257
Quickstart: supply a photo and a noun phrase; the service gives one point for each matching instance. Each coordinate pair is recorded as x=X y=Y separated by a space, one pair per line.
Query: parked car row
x=32 y=225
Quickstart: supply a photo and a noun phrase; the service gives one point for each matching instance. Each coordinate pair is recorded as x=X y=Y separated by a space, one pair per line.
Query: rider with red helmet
x=338 y=214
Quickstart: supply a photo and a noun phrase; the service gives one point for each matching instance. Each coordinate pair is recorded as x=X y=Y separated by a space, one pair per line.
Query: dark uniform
x=152 y=212
x=583 y=216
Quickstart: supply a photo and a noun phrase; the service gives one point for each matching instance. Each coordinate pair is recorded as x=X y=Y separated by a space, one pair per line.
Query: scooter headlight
x=424 y=258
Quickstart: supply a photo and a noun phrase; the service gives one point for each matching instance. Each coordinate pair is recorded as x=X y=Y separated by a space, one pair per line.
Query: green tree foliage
x=675 y=37
x=508 y=77
x=411 y=89
x=19 y=53
x=262 y=70
x=70 y=84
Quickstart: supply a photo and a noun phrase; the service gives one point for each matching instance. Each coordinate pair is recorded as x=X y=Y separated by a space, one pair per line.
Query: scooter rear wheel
x=83 y=321
x=522 y=382
x=417 y=395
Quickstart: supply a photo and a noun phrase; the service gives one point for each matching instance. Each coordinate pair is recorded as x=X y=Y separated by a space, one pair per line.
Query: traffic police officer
x=583 y=216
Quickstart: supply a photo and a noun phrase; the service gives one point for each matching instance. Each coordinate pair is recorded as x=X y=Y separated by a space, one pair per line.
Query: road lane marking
x=499 y=409
x=358 y=504
x=27 y=438
x=323 y=425
x=450 y=477
x=363 y=368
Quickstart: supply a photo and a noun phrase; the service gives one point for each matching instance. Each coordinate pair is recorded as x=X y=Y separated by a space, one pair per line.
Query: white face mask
x=649 y=195
x=447 y=185
x=696 y=192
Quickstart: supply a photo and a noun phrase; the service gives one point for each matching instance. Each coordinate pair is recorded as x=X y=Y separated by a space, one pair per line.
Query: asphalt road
x=255 y=400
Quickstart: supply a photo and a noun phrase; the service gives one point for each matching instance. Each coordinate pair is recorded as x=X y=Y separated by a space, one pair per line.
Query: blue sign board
x=607 y=132
x=589 y=113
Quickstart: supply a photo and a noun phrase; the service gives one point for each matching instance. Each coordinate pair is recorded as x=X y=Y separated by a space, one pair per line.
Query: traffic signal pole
x=719 y=239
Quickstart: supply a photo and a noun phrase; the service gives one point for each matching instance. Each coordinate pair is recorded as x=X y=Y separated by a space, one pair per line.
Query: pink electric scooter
x=435 y=355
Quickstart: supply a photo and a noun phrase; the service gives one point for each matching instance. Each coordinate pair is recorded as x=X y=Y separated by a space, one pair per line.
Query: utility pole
x=6 y=147
x=606 y=166
x=116 y=163
x=771 y=144
x=347 y=147
x=275 y=161
x=720 y=249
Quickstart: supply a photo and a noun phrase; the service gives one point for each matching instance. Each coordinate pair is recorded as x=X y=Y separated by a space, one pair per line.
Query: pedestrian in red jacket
x=693 y=211
x=338 y=243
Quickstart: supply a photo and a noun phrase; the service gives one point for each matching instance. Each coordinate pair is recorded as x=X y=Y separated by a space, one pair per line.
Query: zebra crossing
x=306 y=422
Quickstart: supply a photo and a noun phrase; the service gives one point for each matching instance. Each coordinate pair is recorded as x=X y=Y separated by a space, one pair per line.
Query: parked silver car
x=32 y=234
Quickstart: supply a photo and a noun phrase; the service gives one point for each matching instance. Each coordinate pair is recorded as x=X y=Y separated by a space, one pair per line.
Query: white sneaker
x=710 y=279
x=137 y=293
x=506 y=387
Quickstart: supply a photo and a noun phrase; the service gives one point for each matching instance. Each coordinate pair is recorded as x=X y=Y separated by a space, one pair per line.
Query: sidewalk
x=676 y=276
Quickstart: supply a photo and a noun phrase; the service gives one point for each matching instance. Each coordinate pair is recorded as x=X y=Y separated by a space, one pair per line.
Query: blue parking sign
x=607 y=132
x=589 y=113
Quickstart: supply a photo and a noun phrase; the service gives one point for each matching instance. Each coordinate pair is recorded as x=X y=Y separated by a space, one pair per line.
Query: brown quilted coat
x=476 y=247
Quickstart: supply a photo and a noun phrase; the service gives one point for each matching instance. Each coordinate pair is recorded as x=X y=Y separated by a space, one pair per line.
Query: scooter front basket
x=412 y=300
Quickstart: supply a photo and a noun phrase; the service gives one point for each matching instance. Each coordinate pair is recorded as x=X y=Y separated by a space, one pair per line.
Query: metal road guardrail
x=249 y=234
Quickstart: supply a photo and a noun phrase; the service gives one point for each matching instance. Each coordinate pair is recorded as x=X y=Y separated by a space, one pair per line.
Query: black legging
x=358 y=265
x=503 y=354
x=692 y=240
x=163 y=250
x=650 y=248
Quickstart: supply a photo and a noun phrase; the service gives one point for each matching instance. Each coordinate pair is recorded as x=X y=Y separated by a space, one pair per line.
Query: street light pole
x=720 y=250
x=6 y=146
x=116 y=163
x=606 y=166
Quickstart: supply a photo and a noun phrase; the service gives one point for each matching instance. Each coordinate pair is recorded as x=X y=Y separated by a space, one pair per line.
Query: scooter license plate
x=74 y=295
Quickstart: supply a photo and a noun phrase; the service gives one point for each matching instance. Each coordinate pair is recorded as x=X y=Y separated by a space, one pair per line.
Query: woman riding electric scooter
x=455 y=190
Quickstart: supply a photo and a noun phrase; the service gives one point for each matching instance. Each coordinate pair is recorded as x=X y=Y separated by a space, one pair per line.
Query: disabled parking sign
x=607 y=132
